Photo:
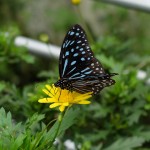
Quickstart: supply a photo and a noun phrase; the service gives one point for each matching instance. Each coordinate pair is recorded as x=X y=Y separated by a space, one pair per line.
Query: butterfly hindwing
x=92 y=85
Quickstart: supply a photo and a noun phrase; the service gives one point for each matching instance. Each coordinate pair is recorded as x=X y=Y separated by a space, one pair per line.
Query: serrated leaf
x=34 y=119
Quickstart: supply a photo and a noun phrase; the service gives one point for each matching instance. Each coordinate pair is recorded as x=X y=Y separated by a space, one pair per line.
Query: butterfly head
x=63 y=84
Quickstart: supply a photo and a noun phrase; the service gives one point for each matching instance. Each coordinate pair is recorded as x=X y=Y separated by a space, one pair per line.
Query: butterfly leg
x=59 y=95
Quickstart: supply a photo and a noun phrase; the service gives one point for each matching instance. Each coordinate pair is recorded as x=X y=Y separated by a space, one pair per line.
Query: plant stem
x=60 y=118
x=84 y=24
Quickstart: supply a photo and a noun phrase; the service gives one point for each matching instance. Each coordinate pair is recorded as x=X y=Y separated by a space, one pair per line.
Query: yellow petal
x=48 y=93
x=82 y=97
x=62 y=108
x=48 y=87
x=84 y=102
x=54 y=89
x=66 y=104
x=46 y=100
x=54 y=105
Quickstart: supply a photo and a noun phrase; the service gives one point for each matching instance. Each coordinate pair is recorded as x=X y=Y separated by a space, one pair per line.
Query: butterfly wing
x=78 y=64
x=93 y=85
x=76 y=58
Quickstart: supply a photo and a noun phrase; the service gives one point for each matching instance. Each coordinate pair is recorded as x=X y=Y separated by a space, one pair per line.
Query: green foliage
x=126 y=144
x=11 y=136
x=9 y=52
x=32 y=134
x=117 y=118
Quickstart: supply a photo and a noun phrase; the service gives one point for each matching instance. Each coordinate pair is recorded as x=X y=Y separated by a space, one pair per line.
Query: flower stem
x=84 y=23
x=60 y=118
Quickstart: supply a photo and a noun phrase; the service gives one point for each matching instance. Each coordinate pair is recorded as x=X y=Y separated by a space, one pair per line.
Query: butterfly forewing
x=76 y=58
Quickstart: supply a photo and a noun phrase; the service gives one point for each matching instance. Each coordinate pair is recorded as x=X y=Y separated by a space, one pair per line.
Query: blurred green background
x=119 y=117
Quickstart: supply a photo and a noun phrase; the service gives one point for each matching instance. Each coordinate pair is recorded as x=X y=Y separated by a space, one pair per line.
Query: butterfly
x=79 y=70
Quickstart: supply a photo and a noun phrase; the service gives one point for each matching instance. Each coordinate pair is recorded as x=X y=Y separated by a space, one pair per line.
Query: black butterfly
x=79 y=70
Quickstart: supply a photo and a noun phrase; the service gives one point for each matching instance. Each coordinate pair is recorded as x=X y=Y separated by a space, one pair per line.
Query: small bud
x=76 y=2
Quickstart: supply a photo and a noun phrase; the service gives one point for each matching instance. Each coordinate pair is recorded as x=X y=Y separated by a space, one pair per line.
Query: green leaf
x=126 y=144
x=69 y=119
x=16 y=144
x=145 y=135
x=11 y=136
x=34 y=119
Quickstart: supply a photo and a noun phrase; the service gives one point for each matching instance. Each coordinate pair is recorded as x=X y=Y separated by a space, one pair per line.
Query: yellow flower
x=75 y=2
x=63 y=98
